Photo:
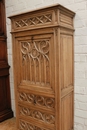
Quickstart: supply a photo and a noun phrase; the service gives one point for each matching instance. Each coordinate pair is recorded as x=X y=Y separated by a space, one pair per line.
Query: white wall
x=80 y=22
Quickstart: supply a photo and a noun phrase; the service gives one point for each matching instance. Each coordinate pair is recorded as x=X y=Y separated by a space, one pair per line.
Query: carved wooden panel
x=37 y=100
x=23 y=125
x=43 y=68
x=35 y=56
x=34 y=20
x=37 y=114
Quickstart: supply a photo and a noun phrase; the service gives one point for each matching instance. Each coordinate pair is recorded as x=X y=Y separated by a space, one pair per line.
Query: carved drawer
x=43 y=102
x=25 y=125
x=37 y=108
x=37 y=114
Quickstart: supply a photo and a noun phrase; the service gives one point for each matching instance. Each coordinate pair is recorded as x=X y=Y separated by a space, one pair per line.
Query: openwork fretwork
x=37 y=100
x=35 y=58
x=27 y=126
x=48 y=118
x=42 y=19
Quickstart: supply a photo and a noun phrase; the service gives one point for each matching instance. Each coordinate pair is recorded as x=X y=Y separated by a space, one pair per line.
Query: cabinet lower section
x=37 y=109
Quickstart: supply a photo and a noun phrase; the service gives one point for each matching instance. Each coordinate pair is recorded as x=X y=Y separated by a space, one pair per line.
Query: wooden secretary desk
x=43 y=61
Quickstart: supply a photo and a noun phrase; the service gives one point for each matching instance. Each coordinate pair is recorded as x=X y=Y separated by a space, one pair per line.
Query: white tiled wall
x=80 y=23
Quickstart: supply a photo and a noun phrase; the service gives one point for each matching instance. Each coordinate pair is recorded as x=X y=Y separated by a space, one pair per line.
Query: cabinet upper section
x=56 y=15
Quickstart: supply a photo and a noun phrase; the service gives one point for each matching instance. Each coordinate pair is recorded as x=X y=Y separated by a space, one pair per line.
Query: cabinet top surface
x=56 y=6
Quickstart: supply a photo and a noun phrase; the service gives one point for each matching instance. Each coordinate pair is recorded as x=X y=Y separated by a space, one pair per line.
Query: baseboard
x=6 y=114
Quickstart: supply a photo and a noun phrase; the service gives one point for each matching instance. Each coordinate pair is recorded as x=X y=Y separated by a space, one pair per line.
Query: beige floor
x=8 y=124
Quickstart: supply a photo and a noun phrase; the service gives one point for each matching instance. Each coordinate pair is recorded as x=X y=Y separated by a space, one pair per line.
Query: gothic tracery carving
x=36 y=55
x=27 y=126
x=37 y=100
x=48 y=118
x=35 y=49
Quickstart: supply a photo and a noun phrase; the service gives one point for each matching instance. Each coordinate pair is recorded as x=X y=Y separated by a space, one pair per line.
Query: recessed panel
x=36 y=61
x=66 y=58
x=67 y=112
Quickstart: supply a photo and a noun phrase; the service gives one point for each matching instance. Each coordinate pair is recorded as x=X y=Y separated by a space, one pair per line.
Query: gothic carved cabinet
x=43 y=68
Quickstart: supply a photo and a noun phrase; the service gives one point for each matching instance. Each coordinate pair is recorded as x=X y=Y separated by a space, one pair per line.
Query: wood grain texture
x=43 y=68
x=9 y=124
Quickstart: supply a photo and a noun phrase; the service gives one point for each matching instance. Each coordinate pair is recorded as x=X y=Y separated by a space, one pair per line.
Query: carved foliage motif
x=37 y=114
x=37 y=100
x=27 y=126
x=35 y=56
x=42 y=19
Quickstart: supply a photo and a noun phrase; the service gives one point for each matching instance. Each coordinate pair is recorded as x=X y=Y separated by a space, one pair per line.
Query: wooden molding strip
x=66 y=91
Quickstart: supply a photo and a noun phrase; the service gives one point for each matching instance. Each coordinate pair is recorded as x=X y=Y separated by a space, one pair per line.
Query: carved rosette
x=33 y=21
x=47 y=102
x=23 y=125
x=47 y=118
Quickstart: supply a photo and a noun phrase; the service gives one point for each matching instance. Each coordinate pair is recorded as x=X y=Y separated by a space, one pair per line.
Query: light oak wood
x=9 y=124
x=43 y=68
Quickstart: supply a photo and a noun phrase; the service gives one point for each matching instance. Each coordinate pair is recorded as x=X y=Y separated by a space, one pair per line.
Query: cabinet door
x=34 y=61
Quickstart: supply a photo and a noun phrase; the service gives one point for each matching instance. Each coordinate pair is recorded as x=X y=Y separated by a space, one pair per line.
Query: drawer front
x=37 y=114
x=25 y=125
x=36 y=100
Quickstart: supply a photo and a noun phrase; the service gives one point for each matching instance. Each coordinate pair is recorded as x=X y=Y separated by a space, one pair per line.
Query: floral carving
x=37 y=100
x=42 y=19
x=48 y=118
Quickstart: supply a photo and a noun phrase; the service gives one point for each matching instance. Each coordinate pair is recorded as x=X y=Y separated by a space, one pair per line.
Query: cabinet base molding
x=6 y=115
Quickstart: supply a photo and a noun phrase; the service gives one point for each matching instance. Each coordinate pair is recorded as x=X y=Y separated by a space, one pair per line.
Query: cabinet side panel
x=66 y=72
x=67 y=112
x=66 y=61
